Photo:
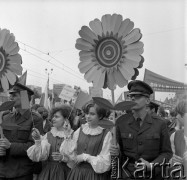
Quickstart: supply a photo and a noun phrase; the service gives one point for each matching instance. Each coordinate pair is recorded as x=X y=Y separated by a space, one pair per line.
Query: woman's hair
x=181 y=108
x=101 y=112
x=66 y=111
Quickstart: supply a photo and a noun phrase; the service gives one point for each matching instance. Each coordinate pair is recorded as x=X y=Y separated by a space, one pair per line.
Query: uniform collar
x=141 y=115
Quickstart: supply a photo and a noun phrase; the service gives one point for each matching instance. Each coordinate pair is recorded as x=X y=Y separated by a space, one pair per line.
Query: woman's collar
x=61 y=134
x=91 y=131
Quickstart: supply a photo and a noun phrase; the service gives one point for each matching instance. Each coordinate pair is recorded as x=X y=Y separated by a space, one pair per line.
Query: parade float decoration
x=10 y=66
x=110 y=52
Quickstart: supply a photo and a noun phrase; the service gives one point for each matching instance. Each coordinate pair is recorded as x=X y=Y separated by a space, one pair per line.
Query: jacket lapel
x=24 y=117
x=146 y=124
x=132 y=123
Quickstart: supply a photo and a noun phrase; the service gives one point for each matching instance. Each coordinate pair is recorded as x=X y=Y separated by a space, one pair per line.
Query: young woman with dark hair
x=91 y=147
x=50 y=148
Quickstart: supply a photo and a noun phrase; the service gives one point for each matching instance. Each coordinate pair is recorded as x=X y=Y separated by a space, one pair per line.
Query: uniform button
x=140 y=143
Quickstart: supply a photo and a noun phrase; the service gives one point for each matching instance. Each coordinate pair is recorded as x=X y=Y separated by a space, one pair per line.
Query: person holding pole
x=91 y=147
x=17 y=127
x=143 y=139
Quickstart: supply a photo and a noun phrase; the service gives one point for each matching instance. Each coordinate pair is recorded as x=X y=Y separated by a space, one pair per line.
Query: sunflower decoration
x=10 y=60
x=110 y=51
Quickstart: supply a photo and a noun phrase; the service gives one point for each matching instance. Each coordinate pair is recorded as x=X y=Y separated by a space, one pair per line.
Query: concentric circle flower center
x=2 y=61
x=108 y=51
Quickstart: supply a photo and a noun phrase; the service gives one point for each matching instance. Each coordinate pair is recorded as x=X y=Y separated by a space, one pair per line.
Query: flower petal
x=96 y=26
x=135 y=51
x=88 y=35
x=133 y=57
x=86 y=58
x=84 y=66
x=6 y=40
x=11 y=77
x=106 y=23
x=123 y=27
x=15 y=59
x=15 y=68
x=90 y=75
x=127 y=28
x=13 y=49
x=99 y=79
x=81 y=44
x=137 y=45
x=3 y=34
x=134 y=64
x=86 y=55
x=113 y=21
x=4 y=83
x=117 y=24
x=111 y=80
x=126 y=71
x=133 y=36
x=119 y=78
x=10 y=41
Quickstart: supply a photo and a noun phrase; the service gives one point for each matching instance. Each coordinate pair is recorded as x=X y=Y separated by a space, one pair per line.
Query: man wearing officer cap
x=141 y=137
x=17 y=127
x=152 y=108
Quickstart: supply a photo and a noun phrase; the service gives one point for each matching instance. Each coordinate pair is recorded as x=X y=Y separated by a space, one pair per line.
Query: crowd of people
x=71 y=144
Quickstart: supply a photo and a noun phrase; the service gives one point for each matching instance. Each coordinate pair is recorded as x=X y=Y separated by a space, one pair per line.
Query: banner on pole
x=67 y=93
x=95 y=92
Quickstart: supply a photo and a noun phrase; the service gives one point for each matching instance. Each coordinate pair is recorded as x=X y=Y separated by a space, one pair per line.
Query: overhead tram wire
x=48 y=54
x=54 y=80
x=169 y=30
x=39 y=77
x=51 y=63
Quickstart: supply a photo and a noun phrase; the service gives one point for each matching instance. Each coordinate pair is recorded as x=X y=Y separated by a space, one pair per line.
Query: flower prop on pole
x=110 y=53
x=10 y=60
x=10 y=63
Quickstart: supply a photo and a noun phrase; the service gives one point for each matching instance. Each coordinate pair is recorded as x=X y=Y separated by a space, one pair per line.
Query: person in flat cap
x=142 y=137
x=17 y=127
x=45 y=116
x=152 y=108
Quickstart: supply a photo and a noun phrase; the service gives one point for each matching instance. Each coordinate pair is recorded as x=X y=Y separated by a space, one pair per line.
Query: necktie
x=17 y=115
x=138 y=121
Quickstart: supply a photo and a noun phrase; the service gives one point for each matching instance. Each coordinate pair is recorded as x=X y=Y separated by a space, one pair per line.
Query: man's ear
x=148 y=101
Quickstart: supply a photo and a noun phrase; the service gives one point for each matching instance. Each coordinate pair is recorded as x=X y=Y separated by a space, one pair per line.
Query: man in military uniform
x=17 y=127
x=143 y=139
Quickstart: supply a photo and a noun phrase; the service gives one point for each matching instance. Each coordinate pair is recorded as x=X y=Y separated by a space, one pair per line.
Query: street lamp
x=48 y=72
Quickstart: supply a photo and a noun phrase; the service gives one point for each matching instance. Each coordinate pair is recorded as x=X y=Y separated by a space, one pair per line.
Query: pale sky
x=52 y=27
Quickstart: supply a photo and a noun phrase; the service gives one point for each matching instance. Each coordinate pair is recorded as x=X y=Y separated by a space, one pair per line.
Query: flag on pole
x=41 y=103
x=46 y=95
x=23 y=78
x=44 y=98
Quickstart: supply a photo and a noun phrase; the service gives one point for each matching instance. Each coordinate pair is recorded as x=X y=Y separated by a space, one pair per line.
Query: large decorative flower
x=110 y=51
x=10 y=60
